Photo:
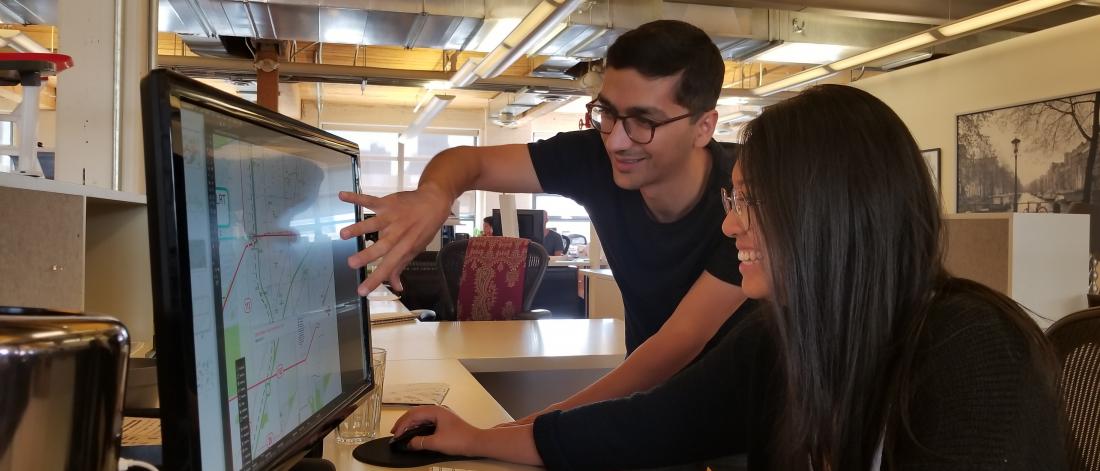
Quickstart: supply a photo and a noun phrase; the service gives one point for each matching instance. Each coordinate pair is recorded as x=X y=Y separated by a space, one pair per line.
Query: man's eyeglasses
x=738 y=203
x=638 y=129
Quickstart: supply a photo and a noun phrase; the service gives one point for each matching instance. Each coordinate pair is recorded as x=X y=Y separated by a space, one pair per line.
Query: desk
x=455 y=352
x=602 y=298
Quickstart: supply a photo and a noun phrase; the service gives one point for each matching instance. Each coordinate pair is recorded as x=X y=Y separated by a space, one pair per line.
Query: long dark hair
x=852 y=228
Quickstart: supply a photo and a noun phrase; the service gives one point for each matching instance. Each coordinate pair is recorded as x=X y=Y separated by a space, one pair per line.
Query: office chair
x=565 y=245
x=1076 y=340
x=452 y=258
x=423 y=285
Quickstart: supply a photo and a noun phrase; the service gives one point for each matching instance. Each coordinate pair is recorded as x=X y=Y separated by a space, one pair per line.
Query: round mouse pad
x=377 y=452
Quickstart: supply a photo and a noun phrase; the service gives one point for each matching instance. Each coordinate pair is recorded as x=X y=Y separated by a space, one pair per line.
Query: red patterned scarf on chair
x=491 y=286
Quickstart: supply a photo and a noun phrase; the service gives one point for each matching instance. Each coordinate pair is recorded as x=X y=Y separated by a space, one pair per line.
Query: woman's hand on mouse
x=453 y=436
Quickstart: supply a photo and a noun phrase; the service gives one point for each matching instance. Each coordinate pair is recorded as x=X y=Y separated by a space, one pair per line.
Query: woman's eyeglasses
x=738 y=203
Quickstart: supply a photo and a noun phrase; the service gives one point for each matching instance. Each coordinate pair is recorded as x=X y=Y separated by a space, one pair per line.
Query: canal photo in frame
x=1037 y=157
x=1034 y=155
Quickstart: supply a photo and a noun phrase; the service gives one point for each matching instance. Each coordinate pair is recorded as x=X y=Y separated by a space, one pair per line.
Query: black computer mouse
x=401 y=442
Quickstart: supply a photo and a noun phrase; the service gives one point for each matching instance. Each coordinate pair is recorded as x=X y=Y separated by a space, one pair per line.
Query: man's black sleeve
x=569 y=162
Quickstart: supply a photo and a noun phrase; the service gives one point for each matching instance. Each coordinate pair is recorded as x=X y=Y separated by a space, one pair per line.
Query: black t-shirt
x=553 y=242
x=654 y=263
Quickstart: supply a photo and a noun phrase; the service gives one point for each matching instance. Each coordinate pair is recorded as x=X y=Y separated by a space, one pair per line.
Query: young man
x=649 y=175
x=551 y=240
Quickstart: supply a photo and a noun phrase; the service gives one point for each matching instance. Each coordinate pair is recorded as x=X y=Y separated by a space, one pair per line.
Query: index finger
x=366 y=201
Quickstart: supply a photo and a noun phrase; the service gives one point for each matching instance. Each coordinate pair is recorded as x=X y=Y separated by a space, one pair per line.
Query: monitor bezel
x=162 y=91
x=537 y=218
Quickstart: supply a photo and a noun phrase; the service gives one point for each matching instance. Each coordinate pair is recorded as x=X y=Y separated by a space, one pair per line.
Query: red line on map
x=251 y=243
x=277 y=373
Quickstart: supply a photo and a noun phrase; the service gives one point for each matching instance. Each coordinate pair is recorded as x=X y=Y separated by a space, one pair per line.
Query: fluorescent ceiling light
x=492 y=33
x=920 y=56
x=805 y=53
x=964 y=26
x=343 y=35
x=1000 y=15
x=424 y=118
x=533 y=30
x=549 y=36
x=464 y=76
x=732 y=100
x=912 y=42
x=793 y=81
x=738 y=116
x=439 y=85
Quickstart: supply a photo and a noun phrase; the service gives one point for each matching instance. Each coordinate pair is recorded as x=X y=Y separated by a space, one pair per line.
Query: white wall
x=1052 y=63
x=495 y=135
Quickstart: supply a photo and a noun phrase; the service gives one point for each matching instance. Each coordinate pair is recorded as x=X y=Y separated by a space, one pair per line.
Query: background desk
x=492 y=367
x=602 y=298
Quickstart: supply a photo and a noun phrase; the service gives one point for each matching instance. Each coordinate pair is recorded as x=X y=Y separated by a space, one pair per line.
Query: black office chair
x=577 y=239
x=423 y=285
x=1076 y=340
x=565 y=244
x=451 y=259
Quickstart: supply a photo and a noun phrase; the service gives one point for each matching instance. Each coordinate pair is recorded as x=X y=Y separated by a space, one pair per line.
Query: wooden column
x=267 y=75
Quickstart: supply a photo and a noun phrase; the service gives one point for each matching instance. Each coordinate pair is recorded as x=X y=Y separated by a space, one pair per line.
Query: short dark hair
x=487 y=220
x=664 y=48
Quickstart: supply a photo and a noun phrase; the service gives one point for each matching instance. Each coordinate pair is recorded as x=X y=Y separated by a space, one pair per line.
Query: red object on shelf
x=14 y=64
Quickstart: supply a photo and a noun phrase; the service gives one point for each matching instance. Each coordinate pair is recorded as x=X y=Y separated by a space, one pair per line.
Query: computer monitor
x=262 y=342
x=530 y=222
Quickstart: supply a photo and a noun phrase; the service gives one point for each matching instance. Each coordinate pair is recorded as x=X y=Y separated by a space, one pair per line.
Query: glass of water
x=362 y=425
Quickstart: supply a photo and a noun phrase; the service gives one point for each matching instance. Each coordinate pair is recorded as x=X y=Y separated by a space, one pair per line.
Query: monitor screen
x=530 y=224
x=260 y=334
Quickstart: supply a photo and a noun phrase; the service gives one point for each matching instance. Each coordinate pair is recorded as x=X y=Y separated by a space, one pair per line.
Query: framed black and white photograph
x=932 y=159
x=1038 y=157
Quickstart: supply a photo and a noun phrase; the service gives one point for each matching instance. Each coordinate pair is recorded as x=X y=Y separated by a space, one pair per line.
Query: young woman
x=866 y=354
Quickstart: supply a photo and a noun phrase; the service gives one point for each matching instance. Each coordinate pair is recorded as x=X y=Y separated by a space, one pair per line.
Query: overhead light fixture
x=803 y=53
x=904 y=61
x=532 y=31
x=439 y=85
x=428 y=113
x=793 y=81
x=738 y=116
x=492 y=33
x=931 y=36
x=1000 y=15
x=732 y=100
x=464 y=76
x=911 y=42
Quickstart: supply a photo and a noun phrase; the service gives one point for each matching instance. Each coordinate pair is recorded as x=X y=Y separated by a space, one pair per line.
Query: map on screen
x=268 y=218
x=279 y=322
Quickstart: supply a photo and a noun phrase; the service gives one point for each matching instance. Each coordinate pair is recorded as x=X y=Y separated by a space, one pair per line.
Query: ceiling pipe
x=19 y=41
x=535 y=27
x=425 y=117
x=966 y=26
x=307 y=72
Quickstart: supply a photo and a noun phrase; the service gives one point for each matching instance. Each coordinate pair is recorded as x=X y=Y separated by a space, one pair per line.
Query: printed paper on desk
x=415 y=394
x=388 y=317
